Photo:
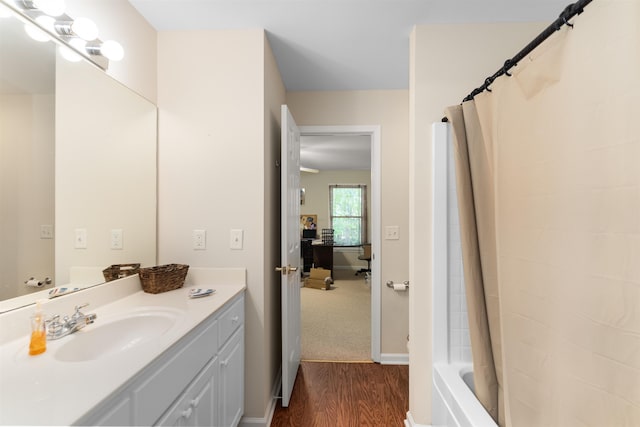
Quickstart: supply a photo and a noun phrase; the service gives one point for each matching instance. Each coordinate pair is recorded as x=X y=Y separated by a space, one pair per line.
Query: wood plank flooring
x=346 y=394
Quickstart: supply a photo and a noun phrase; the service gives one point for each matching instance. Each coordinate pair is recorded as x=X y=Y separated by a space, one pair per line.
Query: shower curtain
x=474 y=177
x=553 y=187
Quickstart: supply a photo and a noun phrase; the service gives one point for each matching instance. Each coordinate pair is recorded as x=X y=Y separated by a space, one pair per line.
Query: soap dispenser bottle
x=38 y=342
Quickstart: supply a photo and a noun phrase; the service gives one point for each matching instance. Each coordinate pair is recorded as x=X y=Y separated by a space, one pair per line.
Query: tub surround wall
x=459 y=341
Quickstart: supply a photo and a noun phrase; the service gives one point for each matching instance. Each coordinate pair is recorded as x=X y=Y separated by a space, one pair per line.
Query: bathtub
x=454 y=404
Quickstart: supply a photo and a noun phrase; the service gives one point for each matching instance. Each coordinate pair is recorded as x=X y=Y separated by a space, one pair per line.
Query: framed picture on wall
x=309 y=224
x=309 y=221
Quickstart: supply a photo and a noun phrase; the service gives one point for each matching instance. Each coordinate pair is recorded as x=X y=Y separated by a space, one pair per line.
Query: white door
x=290 y=253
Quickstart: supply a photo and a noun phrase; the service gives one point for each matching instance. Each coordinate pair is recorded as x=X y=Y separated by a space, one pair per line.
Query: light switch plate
x=392 y=232
x=235 y=238
x=46 y=231
x=116 y=238
x=199 y=240
x=81 y=238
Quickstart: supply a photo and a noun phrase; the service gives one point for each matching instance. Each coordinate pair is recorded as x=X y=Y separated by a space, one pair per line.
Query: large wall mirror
x=77 y=167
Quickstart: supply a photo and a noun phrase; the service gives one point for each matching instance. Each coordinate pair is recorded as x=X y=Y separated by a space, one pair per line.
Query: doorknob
x=286 y=269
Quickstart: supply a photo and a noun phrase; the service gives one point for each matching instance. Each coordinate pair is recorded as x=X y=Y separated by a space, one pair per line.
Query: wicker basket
x=118 y=271
x=163 y=278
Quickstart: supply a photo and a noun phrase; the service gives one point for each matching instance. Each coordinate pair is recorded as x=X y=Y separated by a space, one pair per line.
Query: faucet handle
x=78 y=314
x=53 y=325
x=78 y=307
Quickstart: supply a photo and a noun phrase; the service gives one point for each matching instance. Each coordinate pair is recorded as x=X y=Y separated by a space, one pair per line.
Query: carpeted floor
x=336 y=323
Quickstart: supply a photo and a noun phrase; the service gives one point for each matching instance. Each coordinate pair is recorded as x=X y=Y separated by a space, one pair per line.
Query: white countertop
x=41 y=390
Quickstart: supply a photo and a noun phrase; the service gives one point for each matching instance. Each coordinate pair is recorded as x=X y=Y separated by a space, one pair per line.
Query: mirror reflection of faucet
x=57 y=329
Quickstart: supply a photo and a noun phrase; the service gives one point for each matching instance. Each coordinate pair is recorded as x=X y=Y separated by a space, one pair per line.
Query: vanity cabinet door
x=231 y=393
x=197 y=406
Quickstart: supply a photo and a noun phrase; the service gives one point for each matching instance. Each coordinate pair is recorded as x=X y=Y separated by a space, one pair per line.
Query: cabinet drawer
x=231 y=320
x=169 y=378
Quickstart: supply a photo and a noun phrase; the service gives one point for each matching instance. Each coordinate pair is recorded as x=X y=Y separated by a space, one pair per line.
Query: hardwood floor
x=346 y=394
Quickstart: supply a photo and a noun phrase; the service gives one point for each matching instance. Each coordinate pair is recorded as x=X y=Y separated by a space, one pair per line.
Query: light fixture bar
x=64 y=32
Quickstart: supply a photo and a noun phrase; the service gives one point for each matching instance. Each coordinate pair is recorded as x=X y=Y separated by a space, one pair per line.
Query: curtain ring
x=487 y=83
x=507 y=64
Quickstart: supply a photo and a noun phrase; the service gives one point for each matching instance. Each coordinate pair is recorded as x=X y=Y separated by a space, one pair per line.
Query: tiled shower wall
x=459 y=343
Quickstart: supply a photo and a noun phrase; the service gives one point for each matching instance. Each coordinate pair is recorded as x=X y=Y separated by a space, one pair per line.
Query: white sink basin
x=116 y=334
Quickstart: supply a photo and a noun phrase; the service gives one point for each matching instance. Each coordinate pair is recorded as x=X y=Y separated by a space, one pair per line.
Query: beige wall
x=218 y=140
x=105 y=170
x=274 y=97
x=118 y=20
x=389 y=110
x=447 y=62
x=26 y=186
x=440 y=76
x=316 y=187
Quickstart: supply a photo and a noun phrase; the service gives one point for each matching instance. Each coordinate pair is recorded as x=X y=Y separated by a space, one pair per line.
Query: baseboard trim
x=409 y=422
x=266 y=420
x=394 y=358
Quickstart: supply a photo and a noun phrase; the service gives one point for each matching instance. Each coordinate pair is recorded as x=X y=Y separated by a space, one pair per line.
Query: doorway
x=372 y=133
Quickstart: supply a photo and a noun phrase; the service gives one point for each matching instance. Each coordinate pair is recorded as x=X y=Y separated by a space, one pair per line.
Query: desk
x=323 y=257
x=306 y=252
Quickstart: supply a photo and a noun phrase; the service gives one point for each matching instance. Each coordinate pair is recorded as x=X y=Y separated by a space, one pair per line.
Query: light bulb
x=36 y=33
x=79 y=45
x=46 y=22
x=112 y=50
x=85 y=28
x=69 y=54
x=5 y=12
x=50 y=7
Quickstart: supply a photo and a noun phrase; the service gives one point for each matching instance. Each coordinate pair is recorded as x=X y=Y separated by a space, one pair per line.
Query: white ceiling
x=331 y=152
x=340 y=44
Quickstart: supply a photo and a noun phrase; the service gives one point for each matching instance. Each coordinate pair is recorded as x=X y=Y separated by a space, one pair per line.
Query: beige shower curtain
x=554 y=175
x=474 y=176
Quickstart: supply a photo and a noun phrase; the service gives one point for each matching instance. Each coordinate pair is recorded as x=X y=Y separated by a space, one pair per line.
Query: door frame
x=376 y=305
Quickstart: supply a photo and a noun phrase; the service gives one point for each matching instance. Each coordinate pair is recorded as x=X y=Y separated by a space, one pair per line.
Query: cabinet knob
x=195 y=402
x=187 y=413
x=235 y=319
x=224 y=363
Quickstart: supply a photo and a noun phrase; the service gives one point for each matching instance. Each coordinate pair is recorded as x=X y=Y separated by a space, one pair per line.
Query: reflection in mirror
x=27 y=102
x=104 y=171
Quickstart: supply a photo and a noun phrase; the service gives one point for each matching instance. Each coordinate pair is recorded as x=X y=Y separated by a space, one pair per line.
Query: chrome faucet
x=78 y=320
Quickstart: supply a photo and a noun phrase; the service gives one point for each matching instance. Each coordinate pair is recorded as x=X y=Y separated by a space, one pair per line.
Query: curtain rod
x=569 y=12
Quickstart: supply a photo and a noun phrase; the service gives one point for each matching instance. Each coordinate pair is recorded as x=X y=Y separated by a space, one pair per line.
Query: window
x=348 y=214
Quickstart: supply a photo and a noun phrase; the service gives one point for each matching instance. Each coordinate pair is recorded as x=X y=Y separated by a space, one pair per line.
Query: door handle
x=286 y=269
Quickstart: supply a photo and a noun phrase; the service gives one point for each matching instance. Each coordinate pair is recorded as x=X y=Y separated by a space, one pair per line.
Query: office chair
x=366 y=256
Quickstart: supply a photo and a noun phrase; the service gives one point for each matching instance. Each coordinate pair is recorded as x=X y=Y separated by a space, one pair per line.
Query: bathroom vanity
x=149 y=359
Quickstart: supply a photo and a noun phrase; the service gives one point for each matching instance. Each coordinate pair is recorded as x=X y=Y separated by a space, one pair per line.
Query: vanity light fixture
x=69 y=54
x=36 y=33
x=46 y=20
x=110 y=49
x=81 y=27
x=50 y=7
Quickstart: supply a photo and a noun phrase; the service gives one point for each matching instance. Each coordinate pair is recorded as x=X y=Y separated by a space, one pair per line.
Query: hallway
x=347 y=394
